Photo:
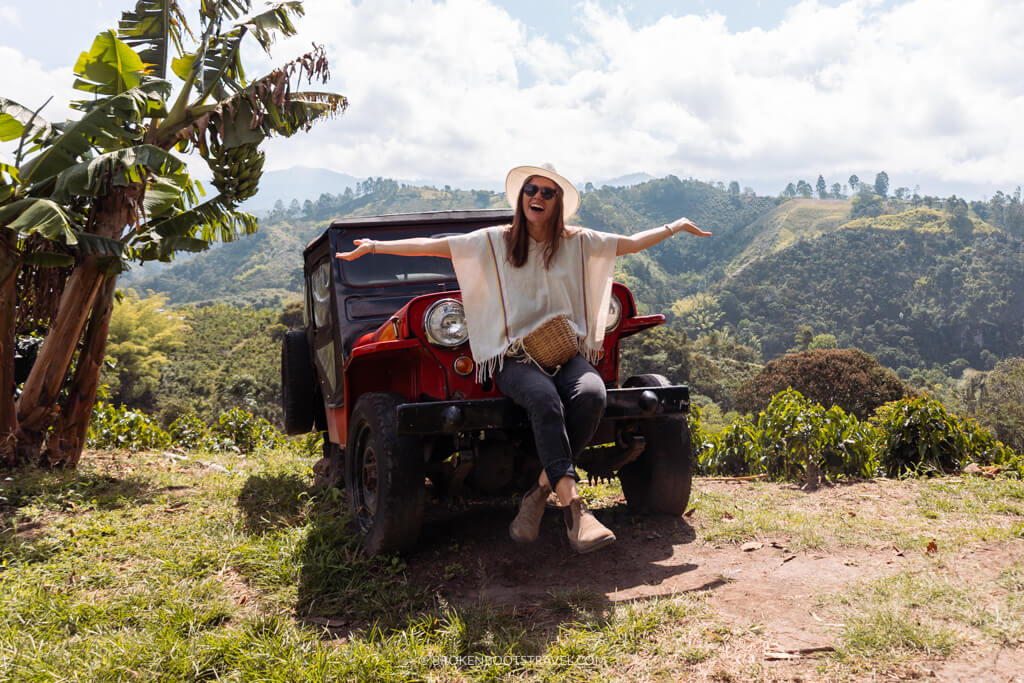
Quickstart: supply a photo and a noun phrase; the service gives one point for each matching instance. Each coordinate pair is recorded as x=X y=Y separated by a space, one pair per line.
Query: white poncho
x=504 y=303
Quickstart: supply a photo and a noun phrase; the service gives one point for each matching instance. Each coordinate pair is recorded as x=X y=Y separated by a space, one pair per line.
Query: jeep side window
x=320 y=293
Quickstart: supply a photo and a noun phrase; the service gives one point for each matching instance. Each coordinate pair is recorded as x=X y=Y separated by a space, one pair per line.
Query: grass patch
x=237 y=568
x=928 y=614
x=954 y=512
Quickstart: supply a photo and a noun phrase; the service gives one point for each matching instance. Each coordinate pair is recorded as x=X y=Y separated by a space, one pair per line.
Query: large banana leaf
x=276 y=19
x=33 y=215
x=219 y=67
x=121 y=167
x=150 y=27
x=15 y=118
x=111 y=251
x=164 y=194
x=218 y=63
x=213 y=11
x=113 y=123
x=194 y=229
x=268 y=107
x=110 y=67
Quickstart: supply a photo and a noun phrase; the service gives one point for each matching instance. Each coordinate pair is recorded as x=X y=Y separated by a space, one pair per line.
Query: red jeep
x=383 y=367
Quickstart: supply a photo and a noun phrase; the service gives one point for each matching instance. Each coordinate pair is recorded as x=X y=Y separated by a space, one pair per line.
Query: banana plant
x=82 y=200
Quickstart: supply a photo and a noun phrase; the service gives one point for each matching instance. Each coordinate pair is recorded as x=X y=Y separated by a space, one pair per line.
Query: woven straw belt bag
x=552 y=344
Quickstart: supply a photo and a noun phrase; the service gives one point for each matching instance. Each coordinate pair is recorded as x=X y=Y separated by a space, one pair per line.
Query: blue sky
x=765 y=93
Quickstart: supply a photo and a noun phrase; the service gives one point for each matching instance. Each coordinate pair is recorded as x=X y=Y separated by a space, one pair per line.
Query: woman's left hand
x=687 y=225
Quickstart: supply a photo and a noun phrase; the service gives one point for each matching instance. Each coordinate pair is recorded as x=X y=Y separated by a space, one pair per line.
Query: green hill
x=788 y=223
x=911 y=297
x=904 y=286
x=266 y=269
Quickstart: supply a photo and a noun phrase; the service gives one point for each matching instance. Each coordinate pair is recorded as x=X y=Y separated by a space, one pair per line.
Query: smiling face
x=539 y=211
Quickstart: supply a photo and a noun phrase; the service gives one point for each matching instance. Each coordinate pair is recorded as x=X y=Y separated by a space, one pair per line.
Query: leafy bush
x=243 y=432
x=188 y=431
x=236 y=430
x=788 y=432
x=793 y=430
x=918 y=435
x=729 y=452
x=848 y=378
x=122 y=427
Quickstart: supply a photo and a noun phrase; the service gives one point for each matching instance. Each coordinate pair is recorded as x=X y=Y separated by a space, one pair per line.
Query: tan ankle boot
x=585 y=532
x=526 y=526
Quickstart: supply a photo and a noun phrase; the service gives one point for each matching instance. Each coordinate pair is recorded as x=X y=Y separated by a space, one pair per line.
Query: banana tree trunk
x=37 y=405
x=8 y=414
x=64 y=448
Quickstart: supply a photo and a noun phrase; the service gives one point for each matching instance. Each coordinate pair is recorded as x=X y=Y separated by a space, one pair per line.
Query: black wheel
x=660 y=479
x=298 y=384
x=384 y=476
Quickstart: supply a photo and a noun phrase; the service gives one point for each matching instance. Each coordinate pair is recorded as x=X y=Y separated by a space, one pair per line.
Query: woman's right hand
x=363 y=246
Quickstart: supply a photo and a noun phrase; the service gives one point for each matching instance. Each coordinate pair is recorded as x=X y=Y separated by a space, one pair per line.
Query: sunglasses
x=529 y=189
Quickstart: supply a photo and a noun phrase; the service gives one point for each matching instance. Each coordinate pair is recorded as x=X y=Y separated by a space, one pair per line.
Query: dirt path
x=776 y=595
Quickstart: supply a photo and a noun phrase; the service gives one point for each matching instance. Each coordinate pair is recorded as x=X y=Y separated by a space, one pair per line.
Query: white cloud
x=9 y=17
x=25 y=81
x=458 y=91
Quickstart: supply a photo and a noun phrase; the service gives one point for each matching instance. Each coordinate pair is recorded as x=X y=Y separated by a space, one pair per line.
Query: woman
x=513 y=279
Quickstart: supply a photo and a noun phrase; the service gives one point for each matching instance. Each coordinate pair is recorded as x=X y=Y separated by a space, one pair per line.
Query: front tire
x=384 y=476
x=660 y=479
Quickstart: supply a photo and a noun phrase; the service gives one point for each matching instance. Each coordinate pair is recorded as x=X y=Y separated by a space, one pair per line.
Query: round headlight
x=445 y=323
x=614 y=314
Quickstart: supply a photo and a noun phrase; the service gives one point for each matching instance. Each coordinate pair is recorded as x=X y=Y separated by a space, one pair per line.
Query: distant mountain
x=624 y=180
x=297 y=183
x=302 y=183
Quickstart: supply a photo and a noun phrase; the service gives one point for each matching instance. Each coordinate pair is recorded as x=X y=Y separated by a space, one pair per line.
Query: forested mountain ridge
x=773 y=265
x=908 y=296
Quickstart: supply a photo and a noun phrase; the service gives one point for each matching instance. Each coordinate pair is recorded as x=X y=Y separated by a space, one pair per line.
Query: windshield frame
x=350 y=272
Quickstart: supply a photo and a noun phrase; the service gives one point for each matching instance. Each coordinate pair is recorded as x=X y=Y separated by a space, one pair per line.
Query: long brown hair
x=517 y=238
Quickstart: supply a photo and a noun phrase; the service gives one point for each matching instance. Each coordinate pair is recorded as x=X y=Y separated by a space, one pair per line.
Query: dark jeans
x=564 y=410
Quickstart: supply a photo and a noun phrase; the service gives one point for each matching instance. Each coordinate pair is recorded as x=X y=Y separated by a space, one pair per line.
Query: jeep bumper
x=451 y=417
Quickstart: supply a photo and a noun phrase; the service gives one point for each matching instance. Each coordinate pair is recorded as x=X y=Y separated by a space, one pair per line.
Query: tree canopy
x=93 y=195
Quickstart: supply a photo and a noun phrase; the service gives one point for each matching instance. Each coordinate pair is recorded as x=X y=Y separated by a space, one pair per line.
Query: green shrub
x=241 y=431
x=793 y=429
x=728 y=453
x=188 y=431
x=788 y=432
x=919 y=435
x=848 y=445
x=120 y=427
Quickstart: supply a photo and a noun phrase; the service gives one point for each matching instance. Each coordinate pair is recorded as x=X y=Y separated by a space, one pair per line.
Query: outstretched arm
x=412 y=246
x=630 y=244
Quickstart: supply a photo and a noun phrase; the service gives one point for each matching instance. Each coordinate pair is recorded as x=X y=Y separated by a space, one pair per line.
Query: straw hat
x=518 y=175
